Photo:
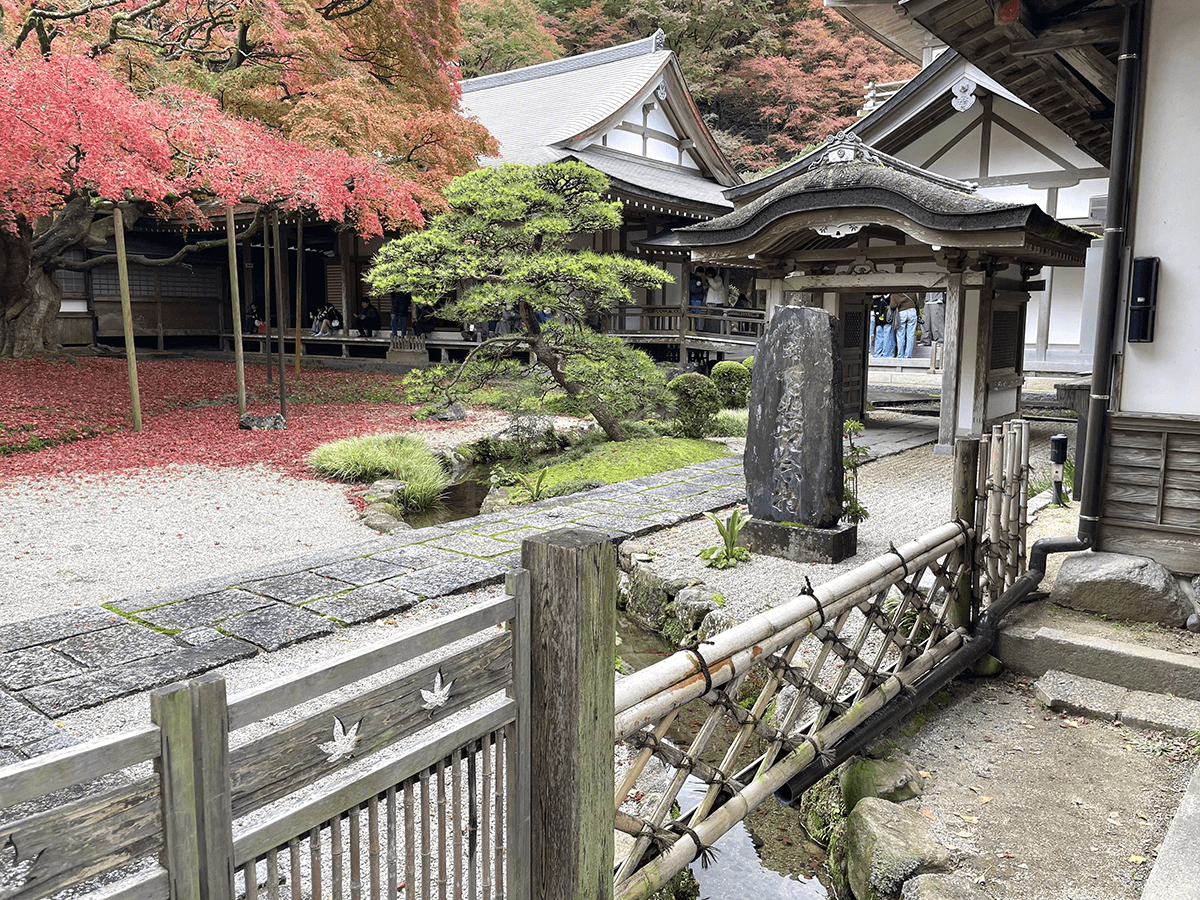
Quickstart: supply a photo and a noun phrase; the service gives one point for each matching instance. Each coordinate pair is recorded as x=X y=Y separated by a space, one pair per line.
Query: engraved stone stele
x=793 y=462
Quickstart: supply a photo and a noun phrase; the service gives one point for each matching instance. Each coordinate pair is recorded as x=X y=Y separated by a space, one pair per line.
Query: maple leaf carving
x=344 y=742
x=439 y=695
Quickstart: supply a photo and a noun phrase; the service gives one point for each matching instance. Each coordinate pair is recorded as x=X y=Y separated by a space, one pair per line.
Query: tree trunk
x=30 y=299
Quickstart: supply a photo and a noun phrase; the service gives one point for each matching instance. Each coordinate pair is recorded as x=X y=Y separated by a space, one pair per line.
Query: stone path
x=58 y=664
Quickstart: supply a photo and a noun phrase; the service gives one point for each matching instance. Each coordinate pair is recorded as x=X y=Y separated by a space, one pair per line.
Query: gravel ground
x=82 y=541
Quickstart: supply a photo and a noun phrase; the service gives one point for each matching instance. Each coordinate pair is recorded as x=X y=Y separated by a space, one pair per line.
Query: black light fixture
x=1143 y=298
x=1058 y=458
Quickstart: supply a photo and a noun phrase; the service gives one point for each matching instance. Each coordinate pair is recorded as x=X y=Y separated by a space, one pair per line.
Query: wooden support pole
x=239 y=354
x=299 y=284
x=573 y=620
x=171 y=711
x=517 y=740
x=267 y=297
x=135 y=401
x=966 y=461
x=214 y=791
x=280 y=290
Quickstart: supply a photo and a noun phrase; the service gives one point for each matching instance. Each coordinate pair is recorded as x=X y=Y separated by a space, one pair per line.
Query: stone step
x=1065 y=692
x=1036 y=650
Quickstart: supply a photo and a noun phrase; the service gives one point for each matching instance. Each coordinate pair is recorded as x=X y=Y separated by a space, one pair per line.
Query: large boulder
x=886 y=845
x=889 y=779
x=1121 y=587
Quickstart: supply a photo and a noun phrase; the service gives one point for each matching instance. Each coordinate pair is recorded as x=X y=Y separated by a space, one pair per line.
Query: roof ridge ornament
x=845 y=146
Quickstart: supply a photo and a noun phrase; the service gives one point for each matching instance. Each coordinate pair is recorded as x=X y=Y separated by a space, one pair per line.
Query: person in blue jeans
x=883 y=338
x=904 y=317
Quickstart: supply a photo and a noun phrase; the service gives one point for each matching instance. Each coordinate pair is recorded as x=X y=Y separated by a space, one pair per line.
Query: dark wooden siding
x=1151 y=490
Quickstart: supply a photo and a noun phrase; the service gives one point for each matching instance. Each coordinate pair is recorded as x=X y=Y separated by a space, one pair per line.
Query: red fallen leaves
x=55 y=401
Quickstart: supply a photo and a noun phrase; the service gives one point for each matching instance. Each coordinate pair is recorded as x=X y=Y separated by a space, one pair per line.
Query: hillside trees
x=502 y=252
x=771 y=76
x=498 y=35
x=171 y=108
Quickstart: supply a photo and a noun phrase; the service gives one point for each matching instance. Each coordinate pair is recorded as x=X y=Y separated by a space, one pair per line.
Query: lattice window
x=197 y=282
x=141 y=281
x=1007 y=344
x=852 y=323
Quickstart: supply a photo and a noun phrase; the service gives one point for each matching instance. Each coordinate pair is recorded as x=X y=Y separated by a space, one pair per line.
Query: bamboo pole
x=239 y=355
x=279 y=290
x=966 y=462
x=135 y=401
x=299 y=283
x=1024 y=495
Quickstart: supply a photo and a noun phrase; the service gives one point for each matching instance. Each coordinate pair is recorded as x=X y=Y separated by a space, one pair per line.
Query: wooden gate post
x=193 y=770
x=573 y=574
x=966 y=461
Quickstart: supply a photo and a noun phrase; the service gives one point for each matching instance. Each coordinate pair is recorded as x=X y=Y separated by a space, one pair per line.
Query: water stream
x=768 y=857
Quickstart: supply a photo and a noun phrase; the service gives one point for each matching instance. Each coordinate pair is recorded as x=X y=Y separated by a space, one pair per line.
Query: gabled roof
x=560 y=109
x=848 y=186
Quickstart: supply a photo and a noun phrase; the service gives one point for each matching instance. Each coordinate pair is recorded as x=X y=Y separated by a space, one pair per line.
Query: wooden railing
x=683 y=322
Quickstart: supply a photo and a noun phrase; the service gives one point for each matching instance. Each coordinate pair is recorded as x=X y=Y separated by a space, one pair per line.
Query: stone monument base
x=799 y=543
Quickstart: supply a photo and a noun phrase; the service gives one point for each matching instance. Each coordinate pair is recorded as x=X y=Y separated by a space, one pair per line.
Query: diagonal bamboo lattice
x=811 y=671
x=822 y=663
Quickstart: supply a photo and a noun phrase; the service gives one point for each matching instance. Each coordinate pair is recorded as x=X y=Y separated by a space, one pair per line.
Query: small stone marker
x=793 y=462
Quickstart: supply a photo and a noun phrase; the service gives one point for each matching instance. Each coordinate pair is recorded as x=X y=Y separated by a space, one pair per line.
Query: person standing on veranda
x=883 y=338
x=904 y=318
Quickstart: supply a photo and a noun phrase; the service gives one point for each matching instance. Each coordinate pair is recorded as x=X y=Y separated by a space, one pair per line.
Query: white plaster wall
x=1002 y=403
x=1075 y=202
x=625 y=141
x=661 y=150
x=1162 y=377
x=970 y=350
x=657 y=119
x=1045 y=133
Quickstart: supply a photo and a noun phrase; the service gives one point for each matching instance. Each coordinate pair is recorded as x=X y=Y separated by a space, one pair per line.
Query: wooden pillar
x=280 y=292
x=951 y=361
x=983 y=357
x=966 y=461
x=266 y=312
x=135 y=401
x=573 y=626
x=345 y=243
x=299 y=285
x=239 y=355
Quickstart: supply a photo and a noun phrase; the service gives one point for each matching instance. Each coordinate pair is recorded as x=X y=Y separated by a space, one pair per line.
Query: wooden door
x=853 y=313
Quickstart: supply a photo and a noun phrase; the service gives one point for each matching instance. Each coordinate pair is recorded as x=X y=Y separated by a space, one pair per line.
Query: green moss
x=619 y=461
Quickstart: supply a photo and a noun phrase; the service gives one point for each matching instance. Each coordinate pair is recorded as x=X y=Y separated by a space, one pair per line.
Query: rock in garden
x=452 y=413
x=793 y=461
x=692 y=604
x=1121 y=587
x=940 y=887
x=888 y=779
x=886 y=845
x=273 y=422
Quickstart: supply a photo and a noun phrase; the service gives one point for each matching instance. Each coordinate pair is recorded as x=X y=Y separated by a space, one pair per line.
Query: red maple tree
x=172 y=108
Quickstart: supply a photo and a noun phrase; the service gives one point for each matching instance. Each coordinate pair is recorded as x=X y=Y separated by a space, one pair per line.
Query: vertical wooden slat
x=573 y=618
x=294 y=859
x=426 y=849
x=966 y=460
x=443 y=862
x=171 y=711
x=273 y=874
x=250 y=876
x=314 y=859
x=373 y=828
x=456 y=803
x=472 y=821
x=518 y=745
x=335 y=857
x=485 y=820
x=410 y=842
x=356 y=853
x=501 y=792
x=393 y=862
x=214 y=791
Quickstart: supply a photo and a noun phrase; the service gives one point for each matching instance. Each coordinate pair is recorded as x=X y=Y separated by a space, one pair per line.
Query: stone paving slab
x=38 y=665
x=19 y=725
x=1063 y=692
x=206 y=609
x=365 y=603
x=450 y=578
x=469 y=544
x=419 y=556
x=94 y=688
x=115 y=646
x=364 y=570
x=1161 y=713
x=47 y=629
x=275 y=627
x=297 y=588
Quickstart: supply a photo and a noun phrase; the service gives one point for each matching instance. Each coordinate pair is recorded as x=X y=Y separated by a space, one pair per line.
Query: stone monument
x=793 y=463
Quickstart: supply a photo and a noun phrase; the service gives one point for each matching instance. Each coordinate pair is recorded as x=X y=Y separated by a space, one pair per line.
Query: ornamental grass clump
x=371 y=457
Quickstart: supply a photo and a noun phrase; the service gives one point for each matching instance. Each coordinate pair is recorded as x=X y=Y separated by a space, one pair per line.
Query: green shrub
x=748 y=362
x=697 y=401
x=372 y=457
x=558 y=404
x=733 y=381
x=729 y=423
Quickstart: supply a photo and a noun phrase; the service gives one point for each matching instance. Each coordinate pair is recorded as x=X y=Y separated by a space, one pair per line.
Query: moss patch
x=623 y=460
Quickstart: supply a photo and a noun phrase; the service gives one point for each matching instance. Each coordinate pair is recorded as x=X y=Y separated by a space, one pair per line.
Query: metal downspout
x=1126 y=116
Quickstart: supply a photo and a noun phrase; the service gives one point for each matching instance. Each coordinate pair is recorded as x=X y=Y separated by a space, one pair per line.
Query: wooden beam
x=1097 y=27
x=871 y=281
x=1094 y=66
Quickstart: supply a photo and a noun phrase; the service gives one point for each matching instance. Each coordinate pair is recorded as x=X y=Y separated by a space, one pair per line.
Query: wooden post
x=299 y=284
x=572 y=623
x=239 y=356
x=345 y=246
x=135 y=401
x=214 y=790
x=280 y=290
x=951 y=360
x=966 y=461
x=267 y=297
x=171 y=711
x=517 y=742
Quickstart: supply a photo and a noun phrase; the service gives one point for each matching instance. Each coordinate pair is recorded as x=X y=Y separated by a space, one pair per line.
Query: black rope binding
x=694 y=649
x=807 y=591
x=900 y=556
x=706 y=855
